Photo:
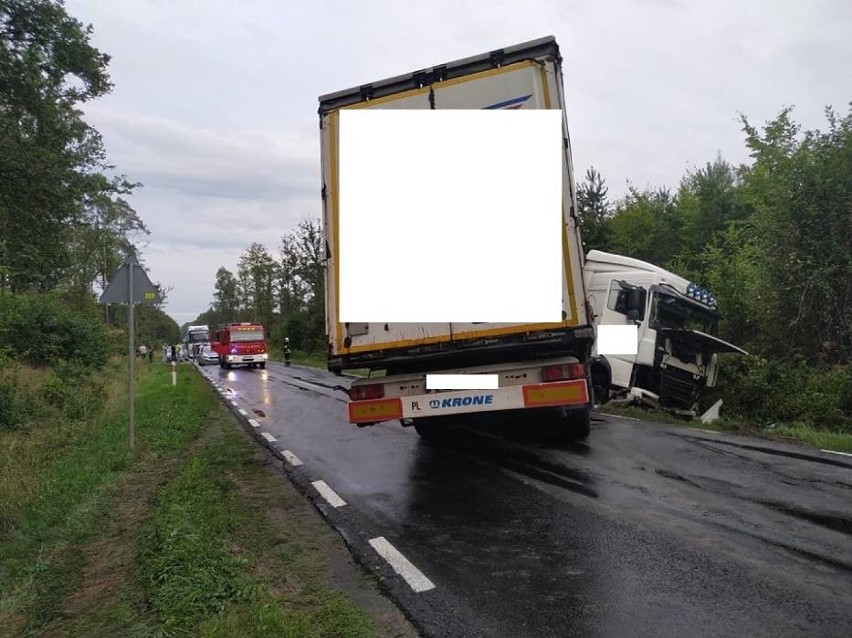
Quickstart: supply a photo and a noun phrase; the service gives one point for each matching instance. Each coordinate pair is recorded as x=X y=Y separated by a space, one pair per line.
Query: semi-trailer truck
x=677 y=324
x=195 y=338
x=542 y=368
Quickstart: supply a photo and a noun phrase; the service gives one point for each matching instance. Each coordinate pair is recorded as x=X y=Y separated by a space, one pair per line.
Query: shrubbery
x=757 y=389
x=74 y=391
x=42 y=330
x=10 y=408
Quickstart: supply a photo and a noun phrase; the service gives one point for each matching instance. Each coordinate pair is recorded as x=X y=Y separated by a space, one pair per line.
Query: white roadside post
x=130 y=285
x=174 y=373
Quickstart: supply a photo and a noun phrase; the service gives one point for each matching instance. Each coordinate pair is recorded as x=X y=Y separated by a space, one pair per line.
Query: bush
x=757 y=389
x=73 y=390
x=40 y=329
x=10 y=410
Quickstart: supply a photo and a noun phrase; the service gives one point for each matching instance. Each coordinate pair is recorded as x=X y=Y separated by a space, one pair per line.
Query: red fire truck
x=241 y=344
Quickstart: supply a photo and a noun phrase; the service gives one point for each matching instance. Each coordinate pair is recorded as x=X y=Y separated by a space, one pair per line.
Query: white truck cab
x=677 y=322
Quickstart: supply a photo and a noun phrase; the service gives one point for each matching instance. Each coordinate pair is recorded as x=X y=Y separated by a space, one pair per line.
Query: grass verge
x=313 y=360
x=192 y=534
x=791 y=433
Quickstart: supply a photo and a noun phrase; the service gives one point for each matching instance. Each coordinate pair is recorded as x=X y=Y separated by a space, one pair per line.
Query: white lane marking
x=328 y=494
x=291 y=458
x=268 y=437
x=413 y=576
x=836 y=452
x=707 y=431
x=253 y=423
x=243 y=412
x=234 y=403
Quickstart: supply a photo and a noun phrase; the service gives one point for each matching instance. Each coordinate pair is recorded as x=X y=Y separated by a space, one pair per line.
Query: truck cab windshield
x=669 y=311
x=199 y=336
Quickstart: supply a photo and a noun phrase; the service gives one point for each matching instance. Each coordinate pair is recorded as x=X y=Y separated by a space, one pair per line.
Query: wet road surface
x=642 y=530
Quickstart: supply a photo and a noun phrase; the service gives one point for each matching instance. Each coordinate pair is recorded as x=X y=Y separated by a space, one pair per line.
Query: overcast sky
x=215 y=103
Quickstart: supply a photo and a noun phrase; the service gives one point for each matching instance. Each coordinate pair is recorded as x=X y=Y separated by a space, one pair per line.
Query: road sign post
x=130 y=285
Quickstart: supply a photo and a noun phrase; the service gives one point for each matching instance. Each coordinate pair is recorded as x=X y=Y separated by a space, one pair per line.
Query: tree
x=52 y=164
x=225 y=295
x=311 y=256
x=799 y=190
x=707 y=203
x=646 y=225
x=291 y=287
x=257 y=272
x=594 y=209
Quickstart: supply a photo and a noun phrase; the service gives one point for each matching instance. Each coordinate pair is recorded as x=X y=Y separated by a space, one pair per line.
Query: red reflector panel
x=553 y=394
x=362 y=392
x=373 y=411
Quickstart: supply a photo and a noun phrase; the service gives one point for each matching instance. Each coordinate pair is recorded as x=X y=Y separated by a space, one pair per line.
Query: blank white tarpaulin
x=462 y=382
x=615 y=340
x=450 y=216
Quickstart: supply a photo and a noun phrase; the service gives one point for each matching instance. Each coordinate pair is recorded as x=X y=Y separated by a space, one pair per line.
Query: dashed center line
x=328 y=494
x=401 y=565
x=268 y=437
x=836 y=452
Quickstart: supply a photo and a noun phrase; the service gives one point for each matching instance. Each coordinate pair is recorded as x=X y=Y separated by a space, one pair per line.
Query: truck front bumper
x=246 y=358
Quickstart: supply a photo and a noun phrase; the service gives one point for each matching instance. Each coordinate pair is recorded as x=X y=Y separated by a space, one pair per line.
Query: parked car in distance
x=207 y=356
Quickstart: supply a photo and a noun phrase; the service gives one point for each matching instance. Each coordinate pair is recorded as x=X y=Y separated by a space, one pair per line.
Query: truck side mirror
x=636 y=304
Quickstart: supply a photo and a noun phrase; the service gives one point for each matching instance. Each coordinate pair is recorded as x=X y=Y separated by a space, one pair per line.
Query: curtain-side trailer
x=542 y=368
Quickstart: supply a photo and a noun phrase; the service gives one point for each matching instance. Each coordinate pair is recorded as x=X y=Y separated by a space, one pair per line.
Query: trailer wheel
x=578 y=423
x=431 y=430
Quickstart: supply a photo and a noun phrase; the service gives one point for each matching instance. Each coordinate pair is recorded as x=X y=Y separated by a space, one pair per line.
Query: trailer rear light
x=563 y=372
x=363 y=392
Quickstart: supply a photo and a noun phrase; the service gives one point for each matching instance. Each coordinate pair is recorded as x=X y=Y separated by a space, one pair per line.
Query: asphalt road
x=642 y=530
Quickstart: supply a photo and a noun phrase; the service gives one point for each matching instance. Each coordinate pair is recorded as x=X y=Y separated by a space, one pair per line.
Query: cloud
x=215 y=103
x=207 y=195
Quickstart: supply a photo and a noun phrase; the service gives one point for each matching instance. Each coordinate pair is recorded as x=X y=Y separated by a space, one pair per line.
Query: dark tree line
x=65 y=223
x=284 y=291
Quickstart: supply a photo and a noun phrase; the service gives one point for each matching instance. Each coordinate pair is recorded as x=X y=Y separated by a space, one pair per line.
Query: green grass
x=314 y=360
x=191 y=534
x=311 y=360
x=802 y=433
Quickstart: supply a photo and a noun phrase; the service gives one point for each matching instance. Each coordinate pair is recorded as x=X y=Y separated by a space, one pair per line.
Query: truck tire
x=578 y=423
x=600 y=384
x=431 y=430
x=262 y=365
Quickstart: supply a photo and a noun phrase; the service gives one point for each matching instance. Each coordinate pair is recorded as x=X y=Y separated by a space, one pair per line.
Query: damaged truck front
x=677 y=323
